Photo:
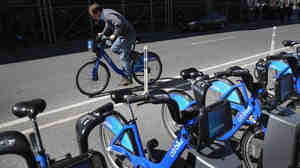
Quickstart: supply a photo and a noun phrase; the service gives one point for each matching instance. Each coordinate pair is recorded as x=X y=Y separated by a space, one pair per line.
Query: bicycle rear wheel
x=107 y=132
x=154 y=68
x=91 y=80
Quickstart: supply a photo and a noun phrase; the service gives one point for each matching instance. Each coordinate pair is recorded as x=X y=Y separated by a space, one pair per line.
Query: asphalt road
x=53 y=80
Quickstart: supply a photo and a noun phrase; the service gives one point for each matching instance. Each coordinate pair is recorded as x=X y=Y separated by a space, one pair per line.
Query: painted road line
x=19 y=121
x=22 y=120
x=28 y=131
x=212 y=41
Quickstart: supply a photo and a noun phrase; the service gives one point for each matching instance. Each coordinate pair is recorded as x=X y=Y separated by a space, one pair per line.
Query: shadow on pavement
x=164 y=83
x=13 y=51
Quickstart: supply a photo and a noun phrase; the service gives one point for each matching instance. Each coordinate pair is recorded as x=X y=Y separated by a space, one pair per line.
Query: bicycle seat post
x=38 y=136
x=131 y=112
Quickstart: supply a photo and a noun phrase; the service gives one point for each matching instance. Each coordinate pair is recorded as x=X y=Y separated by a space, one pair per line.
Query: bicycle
x=125 y=143
x=34 y=153
x=284 y=70
x=249 y=113
x=184 y=100
x=91 y=72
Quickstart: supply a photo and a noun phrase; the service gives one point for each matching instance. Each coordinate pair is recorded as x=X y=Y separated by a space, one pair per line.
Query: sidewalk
x=61 y=48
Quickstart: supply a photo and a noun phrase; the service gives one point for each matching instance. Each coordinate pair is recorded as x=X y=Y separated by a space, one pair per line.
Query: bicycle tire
x=110 y=161
x=170 y=125
x=98 y=90
x=151 y=80
x=248 y=160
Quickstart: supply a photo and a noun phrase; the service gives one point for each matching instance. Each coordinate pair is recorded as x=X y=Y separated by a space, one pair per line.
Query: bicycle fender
x=84 y=126
x=14 y=142
x=223 y=88
x=88 y=122
x=279 y=66
x=182 y=102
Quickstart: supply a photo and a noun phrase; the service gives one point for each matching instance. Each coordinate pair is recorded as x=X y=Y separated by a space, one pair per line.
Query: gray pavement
x=53 y=79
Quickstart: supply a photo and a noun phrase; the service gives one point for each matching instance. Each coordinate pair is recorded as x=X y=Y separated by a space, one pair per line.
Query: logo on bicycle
x=176 y=147
x=7 y=142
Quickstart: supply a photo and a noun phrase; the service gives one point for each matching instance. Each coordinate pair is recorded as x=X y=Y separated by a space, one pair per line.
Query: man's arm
x=117 y=23
x=105 y=29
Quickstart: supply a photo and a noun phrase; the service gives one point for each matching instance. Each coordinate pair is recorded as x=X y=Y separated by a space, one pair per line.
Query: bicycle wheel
x=252 y=148
x=91 y=85
x=154 y=68
x=106 y=134
x=171 y=126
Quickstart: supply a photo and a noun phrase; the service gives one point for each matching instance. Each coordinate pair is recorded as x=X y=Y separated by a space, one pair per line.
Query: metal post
x=52 y=21
x=123 y=7
x=146 y=90
x=46 y=12
x=273 y=40
x=40 y=6
x=151 y=15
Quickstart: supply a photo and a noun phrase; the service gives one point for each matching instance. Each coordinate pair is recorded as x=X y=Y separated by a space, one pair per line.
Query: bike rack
x=217 y=155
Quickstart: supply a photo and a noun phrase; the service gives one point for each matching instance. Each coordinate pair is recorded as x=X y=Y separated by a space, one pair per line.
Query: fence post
x=273 y=40
x=52 y=27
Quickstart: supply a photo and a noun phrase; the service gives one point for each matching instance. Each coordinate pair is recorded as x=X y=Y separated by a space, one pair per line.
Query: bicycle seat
x=289 y=43
x=190 y=73
x=29 y=108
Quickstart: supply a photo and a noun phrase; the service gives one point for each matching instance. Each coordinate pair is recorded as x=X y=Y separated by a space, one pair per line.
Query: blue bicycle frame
x=284 y=69
x=138 y=159
x=139 y=67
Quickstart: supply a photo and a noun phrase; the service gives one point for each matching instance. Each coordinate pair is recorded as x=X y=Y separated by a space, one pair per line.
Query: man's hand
x=112 y=37
x=100 y=34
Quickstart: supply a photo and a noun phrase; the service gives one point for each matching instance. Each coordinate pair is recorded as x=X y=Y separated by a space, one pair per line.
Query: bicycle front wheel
x=92 y=80
x=107 y=131
x=154 y=68
x=252 y=148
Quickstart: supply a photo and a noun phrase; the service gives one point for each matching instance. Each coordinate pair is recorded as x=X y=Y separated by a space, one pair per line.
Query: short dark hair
x=94 y=8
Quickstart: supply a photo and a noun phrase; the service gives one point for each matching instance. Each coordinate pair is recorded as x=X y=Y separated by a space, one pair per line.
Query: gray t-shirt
x=116 y=23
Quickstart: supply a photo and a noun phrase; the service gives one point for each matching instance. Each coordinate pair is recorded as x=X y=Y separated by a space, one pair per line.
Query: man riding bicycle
x=123 y=35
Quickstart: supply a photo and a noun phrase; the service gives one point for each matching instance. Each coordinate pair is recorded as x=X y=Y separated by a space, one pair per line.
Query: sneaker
x=125 y=82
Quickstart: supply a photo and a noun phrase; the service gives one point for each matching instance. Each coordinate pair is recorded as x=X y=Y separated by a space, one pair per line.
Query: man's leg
x=120 y=46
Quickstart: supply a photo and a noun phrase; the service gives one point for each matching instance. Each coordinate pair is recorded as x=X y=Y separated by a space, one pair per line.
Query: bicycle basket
x=284 y=87
x=216 y=119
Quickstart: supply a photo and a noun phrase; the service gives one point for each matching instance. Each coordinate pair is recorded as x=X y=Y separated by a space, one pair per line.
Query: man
x=123 y=34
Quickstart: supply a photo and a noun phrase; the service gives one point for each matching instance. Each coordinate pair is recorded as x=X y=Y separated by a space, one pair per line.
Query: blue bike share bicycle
x=246 y=109
x=121 y=139
x=283 y=76
x=93 y=77
x=34 y=153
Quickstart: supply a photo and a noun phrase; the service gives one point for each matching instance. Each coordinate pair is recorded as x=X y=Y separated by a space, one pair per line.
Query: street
x=53 y=79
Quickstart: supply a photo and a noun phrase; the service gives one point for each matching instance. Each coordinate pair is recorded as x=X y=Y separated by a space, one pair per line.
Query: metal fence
x=60 y=20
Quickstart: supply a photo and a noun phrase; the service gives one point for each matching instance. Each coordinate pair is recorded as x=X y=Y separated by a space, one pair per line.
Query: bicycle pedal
x=151 y=145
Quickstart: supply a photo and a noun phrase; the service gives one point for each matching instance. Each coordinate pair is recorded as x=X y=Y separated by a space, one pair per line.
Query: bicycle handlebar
x=136 y=98
x=275 y=57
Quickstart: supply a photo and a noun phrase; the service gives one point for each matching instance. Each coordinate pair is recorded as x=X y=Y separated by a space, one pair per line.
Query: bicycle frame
x=102 y=54
x=139 y=159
